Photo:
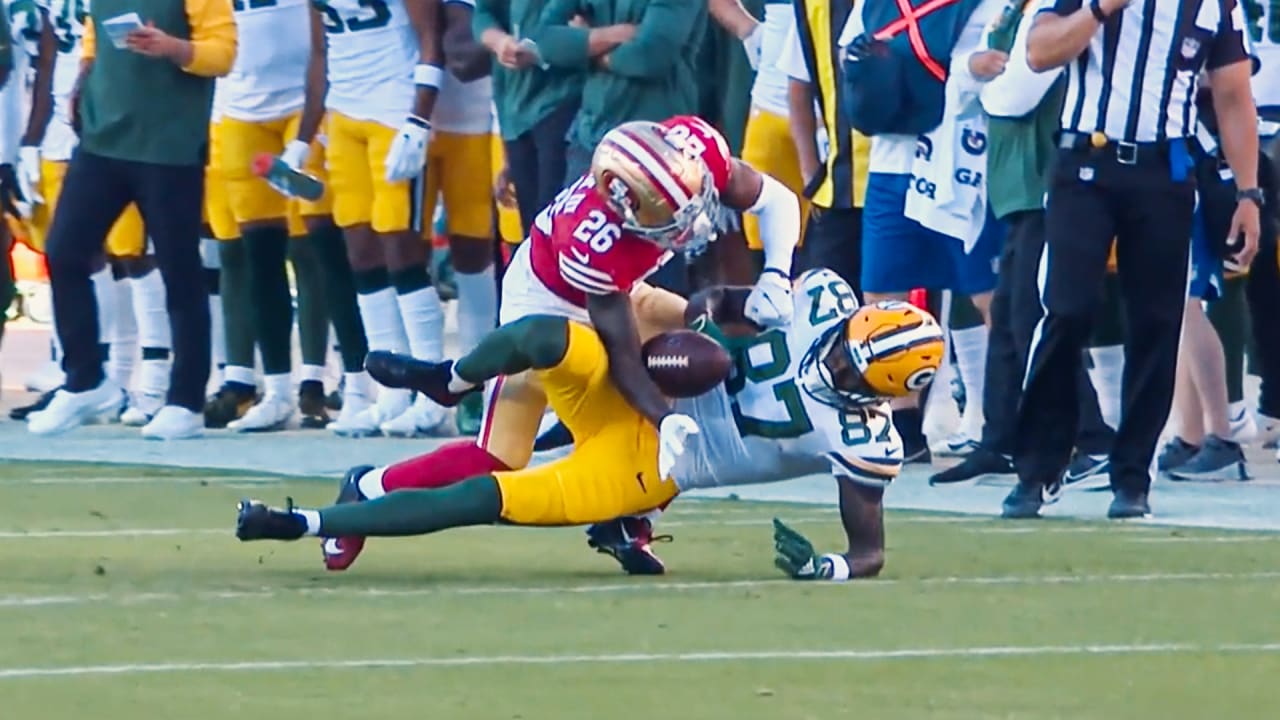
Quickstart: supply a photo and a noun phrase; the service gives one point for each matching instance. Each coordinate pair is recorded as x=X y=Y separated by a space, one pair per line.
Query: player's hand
x=514 y=55
x=769 y=304
x=504 y=191
x=295 y=154
x=987 y=64
x=1245 y=222
x=154 y=42
x=407 y=156
x=673 y=431
x=795 y=556
x=11 y=200
x=752 y=42
x=28 y=172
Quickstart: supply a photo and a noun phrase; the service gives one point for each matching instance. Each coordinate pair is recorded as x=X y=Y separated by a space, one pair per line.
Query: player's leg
x=767 y=147
x=262 y=213
x=351 y=183
x=8 y=290
x=151 y=319
x=313 y=323
x=1229 y=315
x=398 y=219
x=469 y=225
x=238 y=391
x=49 y=377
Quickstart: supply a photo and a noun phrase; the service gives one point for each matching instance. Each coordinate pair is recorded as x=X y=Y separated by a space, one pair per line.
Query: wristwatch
x=1253 y=194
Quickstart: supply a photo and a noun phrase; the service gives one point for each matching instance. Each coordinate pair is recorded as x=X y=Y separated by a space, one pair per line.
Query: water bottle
x=285 y=179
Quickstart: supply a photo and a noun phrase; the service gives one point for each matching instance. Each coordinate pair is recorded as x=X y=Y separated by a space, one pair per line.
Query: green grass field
x=124 y=595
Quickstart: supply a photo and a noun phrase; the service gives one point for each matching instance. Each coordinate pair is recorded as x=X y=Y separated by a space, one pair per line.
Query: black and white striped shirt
x=1136 y=82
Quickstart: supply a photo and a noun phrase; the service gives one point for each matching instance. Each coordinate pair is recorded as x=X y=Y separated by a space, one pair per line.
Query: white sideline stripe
x=711 y=656
x=141 y=480
x=36 y=601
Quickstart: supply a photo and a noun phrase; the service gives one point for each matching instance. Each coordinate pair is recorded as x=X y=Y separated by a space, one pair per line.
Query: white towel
x=948 y=190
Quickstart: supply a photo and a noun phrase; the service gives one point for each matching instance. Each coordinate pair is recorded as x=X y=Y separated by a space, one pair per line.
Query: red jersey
x=577 y=245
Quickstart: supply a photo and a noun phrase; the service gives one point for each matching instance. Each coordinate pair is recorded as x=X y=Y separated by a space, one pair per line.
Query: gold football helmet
x=663 y=193
x=886 y=350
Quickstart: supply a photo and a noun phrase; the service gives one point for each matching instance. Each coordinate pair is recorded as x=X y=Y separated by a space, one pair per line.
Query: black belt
x=1125 y=153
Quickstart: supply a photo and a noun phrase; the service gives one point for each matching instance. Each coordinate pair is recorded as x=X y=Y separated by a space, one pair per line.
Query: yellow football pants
x=356 y=161
x=613 y=469
x=250 y=197
x=767 y=147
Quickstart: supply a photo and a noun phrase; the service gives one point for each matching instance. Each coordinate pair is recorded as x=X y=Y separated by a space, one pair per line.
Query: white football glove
x=407 y=155
x=673 y=431
x=769 y=304
x=29 y=174
x=295 y=154
x=752 y=44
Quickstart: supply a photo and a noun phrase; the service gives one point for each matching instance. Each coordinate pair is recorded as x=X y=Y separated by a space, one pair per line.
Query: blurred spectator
x=831 y=158
x=535 y=105
x=143 y=112
x=640 y=58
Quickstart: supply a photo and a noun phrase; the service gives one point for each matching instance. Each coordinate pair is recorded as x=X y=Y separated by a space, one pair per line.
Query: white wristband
x=429 y=75
x=839 y=567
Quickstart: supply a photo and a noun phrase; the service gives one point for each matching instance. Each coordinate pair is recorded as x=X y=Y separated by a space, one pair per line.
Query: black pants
x=833 y=239
x=95 y=191
x=1015 y=311
x=1263 y=291
x=1092 y=199
x=536 y=162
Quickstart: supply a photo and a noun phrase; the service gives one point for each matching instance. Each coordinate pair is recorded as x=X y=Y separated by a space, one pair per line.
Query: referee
x=1125 y=169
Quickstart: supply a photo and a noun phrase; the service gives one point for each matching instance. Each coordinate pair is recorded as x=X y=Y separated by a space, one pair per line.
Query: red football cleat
x=341 y=553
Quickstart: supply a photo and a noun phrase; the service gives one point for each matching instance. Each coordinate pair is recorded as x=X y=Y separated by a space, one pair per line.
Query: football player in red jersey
x=654 y=189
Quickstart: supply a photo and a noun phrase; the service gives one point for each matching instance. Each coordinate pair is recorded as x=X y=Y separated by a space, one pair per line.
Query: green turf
x=988 y=619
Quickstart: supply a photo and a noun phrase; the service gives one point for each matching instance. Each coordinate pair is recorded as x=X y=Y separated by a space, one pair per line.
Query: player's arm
x=317 y=80
x=564 y=45
x=722 y=304
x=862 y=514
x=614 y=320
x=42 y=84
x=465 y=57
x=663 y=31
x=88 y=52
x=425 y=16
x=776 y=208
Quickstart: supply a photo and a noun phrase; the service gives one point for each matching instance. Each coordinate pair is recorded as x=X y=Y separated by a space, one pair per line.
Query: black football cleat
x=341 y=553
x=394 y=370
x=627 y=540
x=311 y=405
x=1129 y=505
x=1023 y=502
x=257 y=521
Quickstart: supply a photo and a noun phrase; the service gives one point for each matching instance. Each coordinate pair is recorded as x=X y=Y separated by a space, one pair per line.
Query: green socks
x=476 y=501
x=340 y=294
x=538 y=342
x=237 y=306
x=272 y=317
x=313 y=311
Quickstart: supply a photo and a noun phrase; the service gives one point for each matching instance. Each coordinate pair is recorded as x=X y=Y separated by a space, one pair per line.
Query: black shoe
x=979 y=463
x=1217 y=460
x=311 y=405
x=340 y=553
x=349 y=488
x=1129 y=504
x=1023 y=502
x=231 y=402
x=401 y=371
x=1087 y=472
x=257 y=521
x=627 y=540
x=556 y=436
x=42 y=402
x=1175 y=452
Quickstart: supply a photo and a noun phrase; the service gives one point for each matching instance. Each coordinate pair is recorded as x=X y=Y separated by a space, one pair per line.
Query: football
x=685 y=364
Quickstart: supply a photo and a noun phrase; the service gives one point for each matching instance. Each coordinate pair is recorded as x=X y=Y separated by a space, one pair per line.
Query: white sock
x=238 y=374
x=357 y=384
x=152 y=318
x=457 y=383
x=370 y=483
x=122 y=333
x=277 y=385
x=312 y=517
x=477 y=307
x=312 y=373
x=1106 y=374
x=55 y=345
x=423 y=318
x=104 y=293
x=971 y=363
x=381 y=315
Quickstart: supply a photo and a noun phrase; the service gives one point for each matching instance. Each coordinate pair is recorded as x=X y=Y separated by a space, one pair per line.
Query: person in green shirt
x=535 y=104
x=142 y=108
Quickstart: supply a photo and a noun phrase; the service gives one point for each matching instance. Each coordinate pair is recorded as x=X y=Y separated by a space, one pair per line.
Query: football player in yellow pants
x=613 y=441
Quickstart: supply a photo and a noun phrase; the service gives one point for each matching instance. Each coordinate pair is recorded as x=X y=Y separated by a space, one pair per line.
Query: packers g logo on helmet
x=663 y=193
x=896 y=346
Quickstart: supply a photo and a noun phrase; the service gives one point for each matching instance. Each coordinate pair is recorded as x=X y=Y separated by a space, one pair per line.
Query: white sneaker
x=48 y=377
x=1268 y=430
x=957 y=444
x=353 y=406
x=422 y=418
x=70 y=410
x=142 y=408
x=391 y=404
x=1243 y=426
x=174 y=423
x=271 y=413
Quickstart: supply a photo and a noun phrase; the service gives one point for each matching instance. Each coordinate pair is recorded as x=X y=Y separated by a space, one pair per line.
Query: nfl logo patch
x=1190 y=46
